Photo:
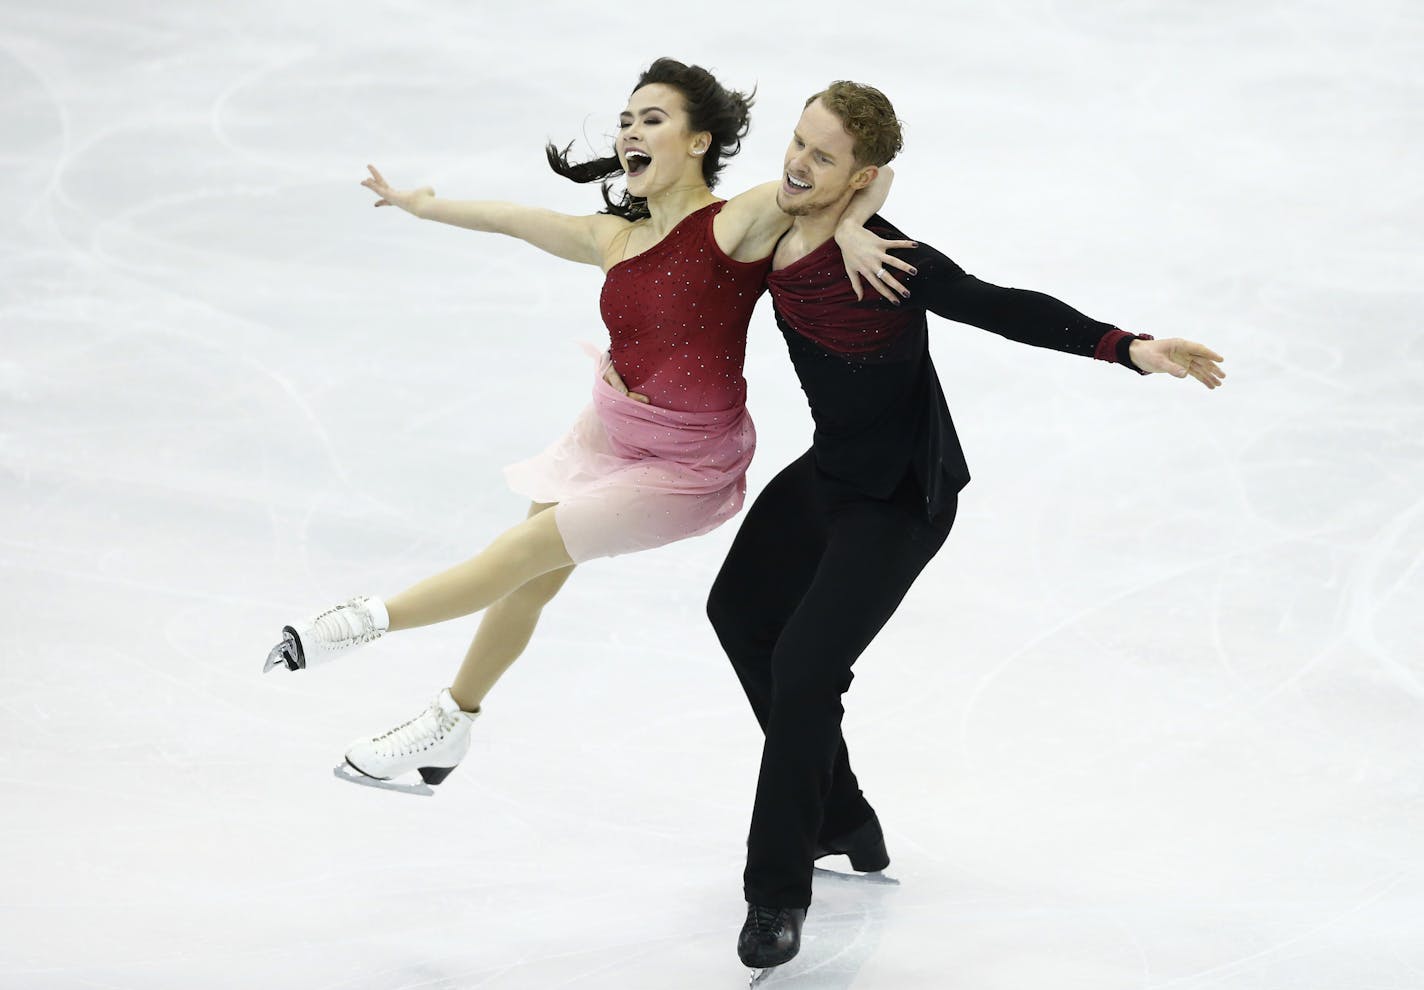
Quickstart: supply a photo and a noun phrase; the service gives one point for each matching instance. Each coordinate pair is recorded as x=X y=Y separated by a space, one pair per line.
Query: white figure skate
x=433 y=743
x=338 y=629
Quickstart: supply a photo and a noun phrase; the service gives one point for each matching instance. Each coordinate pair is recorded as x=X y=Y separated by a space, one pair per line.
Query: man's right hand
x=613 y=378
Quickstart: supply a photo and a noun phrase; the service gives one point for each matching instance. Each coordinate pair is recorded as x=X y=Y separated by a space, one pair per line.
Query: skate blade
x=345 y=772
x=283 y=654
x=277 y=658
x=877 y=877
x=759 y=976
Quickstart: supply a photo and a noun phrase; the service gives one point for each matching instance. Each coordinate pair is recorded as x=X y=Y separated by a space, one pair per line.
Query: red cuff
x=1107 y=346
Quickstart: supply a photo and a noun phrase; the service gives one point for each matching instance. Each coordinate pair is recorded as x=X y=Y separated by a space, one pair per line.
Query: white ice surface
x=1154 y=719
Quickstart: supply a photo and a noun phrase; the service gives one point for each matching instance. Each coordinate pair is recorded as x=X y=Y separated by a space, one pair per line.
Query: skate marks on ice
x=849 y=878
x=344 y=771
x=842 y=932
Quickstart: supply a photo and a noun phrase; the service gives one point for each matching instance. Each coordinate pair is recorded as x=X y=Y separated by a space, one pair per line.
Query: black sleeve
x=1029 y=317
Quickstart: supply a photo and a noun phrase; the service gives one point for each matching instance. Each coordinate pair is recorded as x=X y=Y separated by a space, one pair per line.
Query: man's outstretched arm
x=1041 y=320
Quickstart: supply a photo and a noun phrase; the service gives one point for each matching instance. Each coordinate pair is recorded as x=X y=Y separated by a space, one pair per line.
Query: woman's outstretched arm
x=581 y=239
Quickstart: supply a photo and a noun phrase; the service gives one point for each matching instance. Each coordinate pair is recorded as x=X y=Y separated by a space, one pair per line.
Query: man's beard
x=801 y=208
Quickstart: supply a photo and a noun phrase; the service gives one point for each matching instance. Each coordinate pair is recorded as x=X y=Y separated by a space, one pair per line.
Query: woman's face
x=654 y=143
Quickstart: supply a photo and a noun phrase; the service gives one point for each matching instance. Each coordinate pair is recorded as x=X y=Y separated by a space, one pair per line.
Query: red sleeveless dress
x=630 y=475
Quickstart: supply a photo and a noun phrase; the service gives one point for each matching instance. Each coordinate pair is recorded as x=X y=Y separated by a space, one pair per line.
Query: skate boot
x=432 y=743
x=864 y=845
x=338 y=629
x=770 y=936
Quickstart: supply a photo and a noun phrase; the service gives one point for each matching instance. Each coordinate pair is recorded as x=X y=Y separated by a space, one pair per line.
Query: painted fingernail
x=914 y=271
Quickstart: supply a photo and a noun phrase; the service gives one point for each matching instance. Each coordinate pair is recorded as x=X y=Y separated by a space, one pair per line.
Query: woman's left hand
x=867 y=256
x=613 y=378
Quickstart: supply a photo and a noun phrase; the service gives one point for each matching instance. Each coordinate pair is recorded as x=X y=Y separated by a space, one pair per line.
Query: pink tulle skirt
x=631 y=476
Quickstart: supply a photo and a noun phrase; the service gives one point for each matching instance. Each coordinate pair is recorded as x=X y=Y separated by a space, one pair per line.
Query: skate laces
x=765 y=920
x=346 y=625
x=425 y=730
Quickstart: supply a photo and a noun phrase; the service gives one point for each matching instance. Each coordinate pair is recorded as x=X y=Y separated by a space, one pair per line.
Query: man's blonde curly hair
x=868 y=118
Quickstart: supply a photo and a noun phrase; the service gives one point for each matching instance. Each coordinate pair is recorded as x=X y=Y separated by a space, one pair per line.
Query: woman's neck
x=669 y=207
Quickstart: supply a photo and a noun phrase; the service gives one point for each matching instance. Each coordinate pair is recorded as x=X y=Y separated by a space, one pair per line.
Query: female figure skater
x=684 y=270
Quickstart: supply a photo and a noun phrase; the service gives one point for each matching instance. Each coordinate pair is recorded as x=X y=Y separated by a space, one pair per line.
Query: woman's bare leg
x=505 y=630
x=517 y=556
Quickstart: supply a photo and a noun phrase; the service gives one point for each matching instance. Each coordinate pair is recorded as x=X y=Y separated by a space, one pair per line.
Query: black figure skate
x=770 y=937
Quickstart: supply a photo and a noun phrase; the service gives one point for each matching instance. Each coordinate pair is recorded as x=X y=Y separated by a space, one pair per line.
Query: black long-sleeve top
x=866 y=370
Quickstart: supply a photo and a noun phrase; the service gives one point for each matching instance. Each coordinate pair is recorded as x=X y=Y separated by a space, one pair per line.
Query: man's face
x=820 y=169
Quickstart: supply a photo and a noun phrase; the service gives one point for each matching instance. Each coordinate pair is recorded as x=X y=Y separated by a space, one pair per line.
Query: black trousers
x=814 y=573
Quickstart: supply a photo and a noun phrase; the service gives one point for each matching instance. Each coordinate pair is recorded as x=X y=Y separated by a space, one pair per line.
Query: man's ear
x=864 y=177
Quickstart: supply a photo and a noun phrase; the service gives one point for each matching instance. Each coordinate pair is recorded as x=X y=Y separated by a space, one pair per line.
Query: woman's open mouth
x=636 y=162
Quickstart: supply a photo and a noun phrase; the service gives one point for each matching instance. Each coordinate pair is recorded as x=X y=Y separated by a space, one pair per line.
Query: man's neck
x=818 y=227
x=809 y=232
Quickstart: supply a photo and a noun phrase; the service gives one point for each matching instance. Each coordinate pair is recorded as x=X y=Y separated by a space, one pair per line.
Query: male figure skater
x=832 y=544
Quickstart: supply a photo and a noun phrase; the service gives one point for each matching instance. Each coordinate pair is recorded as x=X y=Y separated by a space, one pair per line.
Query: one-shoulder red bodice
x=677 y=317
